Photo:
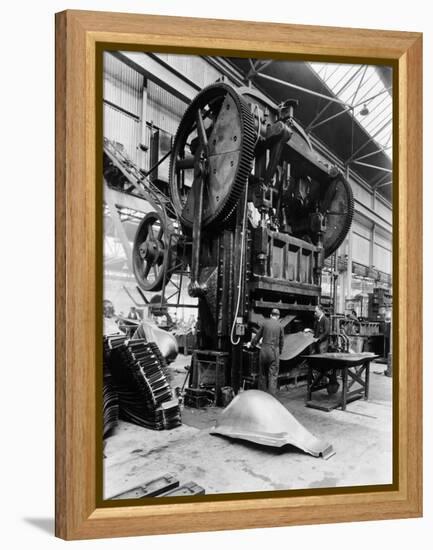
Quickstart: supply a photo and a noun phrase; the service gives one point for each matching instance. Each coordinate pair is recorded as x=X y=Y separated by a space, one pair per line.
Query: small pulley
x=154 y=252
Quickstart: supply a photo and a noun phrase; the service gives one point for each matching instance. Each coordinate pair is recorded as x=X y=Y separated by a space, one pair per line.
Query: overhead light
x=364 y=111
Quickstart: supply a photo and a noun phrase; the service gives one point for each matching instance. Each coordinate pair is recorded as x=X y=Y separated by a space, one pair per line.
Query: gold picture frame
x=80 y=39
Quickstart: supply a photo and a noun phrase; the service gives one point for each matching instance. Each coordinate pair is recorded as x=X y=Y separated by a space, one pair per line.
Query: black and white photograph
x=247 y=275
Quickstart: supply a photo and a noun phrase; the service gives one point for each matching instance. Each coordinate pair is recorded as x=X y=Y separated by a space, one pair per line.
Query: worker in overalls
x=322 y=328
x=272 y=334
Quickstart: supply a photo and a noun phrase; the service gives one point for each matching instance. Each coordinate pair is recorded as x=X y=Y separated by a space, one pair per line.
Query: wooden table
x=354 y=367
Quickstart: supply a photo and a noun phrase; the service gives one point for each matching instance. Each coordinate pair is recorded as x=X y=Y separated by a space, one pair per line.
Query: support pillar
x=348 y=278
x=144 y=153
x=372 y=241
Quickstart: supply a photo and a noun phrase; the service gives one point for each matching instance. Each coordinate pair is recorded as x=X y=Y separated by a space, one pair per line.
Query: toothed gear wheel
x=230 y=134
x=338 y=205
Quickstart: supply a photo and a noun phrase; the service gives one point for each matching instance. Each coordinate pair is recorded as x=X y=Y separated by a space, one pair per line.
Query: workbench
x=354 y=368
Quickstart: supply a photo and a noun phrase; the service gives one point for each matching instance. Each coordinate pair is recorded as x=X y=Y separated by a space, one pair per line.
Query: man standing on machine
x=272 y=345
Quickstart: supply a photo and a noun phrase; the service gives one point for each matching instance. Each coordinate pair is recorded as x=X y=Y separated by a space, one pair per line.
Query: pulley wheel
x=153 y=252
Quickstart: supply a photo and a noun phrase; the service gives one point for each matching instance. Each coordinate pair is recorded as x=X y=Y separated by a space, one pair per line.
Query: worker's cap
x=275 y=312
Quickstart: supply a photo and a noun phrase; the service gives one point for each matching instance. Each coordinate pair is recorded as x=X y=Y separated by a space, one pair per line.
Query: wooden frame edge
x=76 y=513
x=60 y=282
x=414 y=243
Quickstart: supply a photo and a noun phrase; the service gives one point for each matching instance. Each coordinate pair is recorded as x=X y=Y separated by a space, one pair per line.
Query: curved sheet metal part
x=295 y=344
x=166 y=342
x=259 y=417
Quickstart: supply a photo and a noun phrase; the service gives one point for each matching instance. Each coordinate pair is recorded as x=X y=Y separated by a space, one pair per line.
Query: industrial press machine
x=251 y=214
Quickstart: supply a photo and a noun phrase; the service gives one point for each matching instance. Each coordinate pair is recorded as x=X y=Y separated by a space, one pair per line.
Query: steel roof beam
x=300 y=88
x=335 y=84
x=352 y=99
x=377 y=113
x=253 y=70
x=350 y=80
x=380 y=178
x=364 y=84
x=328 y=119
x=380 y=150
x=387 y=123
x=376 y=86
x=264 y=65
x=371 y=166
x=372 y=97
x=379 y=119
x=383 y=184
x=311 y=126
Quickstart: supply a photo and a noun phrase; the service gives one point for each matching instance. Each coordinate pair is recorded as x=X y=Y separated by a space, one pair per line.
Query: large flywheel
x=337 y=205
x=213 y=147
x=154 y=252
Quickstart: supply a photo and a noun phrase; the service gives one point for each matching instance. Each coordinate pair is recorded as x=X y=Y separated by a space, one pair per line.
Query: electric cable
x=241 y=266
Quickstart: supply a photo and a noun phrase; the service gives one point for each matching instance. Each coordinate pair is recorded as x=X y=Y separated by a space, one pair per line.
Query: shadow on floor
x=43 y=524
x=265 y=449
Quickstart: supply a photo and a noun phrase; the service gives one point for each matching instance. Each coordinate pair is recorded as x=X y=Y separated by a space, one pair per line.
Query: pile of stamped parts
x=140 y=375
x=110 y=400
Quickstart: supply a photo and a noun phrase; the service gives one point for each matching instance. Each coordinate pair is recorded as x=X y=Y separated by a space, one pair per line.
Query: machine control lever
x=195 y=288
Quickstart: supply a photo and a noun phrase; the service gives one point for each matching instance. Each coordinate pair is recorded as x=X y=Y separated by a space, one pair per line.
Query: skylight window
x=363 y=93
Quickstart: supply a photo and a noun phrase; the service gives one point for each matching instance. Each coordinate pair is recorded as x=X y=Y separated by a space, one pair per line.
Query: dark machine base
x=209 y=371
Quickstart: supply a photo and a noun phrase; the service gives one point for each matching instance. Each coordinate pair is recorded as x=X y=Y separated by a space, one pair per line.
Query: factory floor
x=361 y=437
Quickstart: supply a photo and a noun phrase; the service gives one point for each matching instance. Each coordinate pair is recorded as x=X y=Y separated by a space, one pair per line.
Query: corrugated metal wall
x=123 y=86
x=360 y=249
x=382 y=259
x=383 y=210
x=362 y=194
x=382 y=252
x=123 y=129
x=197 y=69
x=163 y=110
x=123 y=100
x=361 y=242
x=371 y=246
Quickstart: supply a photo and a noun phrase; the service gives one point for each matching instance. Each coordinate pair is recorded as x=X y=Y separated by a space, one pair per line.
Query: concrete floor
x=361 y=437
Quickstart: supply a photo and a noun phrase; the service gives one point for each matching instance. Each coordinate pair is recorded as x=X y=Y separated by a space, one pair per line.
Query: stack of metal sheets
x=145 y=396
x=110 y=401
